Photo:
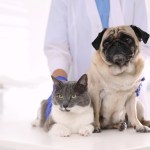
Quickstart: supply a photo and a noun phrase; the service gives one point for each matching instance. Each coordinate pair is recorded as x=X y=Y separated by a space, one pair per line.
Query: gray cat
x=71 y=113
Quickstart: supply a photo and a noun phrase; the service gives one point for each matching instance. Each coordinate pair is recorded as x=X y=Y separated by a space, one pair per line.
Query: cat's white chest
x=74 y=119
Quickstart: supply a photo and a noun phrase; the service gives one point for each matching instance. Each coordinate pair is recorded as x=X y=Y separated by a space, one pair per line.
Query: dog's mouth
x=120 y=59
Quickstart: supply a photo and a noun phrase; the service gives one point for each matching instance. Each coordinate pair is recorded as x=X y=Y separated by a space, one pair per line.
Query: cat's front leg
x=40 y=120
x=48 y=123
x=86 y=130
x=60 y=130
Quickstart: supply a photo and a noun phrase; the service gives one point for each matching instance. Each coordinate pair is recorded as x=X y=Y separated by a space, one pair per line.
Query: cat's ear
x=83 y=80
x=82 y=83
x=57 y=83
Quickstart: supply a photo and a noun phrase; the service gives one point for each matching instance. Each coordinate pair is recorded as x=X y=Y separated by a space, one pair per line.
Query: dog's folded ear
x=141 y=35
x=97 y=41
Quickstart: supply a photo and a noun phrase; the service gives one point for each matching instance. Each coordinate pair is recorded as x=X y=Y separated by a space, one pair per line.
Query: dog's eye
x=106 y=43
x=128 y=40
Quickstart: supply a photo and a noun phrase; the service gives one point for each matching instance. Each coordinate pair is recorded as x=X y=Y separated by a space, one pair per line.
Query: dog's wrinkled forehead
x=115 y=32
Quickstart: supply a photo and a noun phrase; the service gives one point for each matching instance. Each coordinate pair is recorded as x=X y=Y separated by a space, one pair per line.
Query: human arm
x=56 y=45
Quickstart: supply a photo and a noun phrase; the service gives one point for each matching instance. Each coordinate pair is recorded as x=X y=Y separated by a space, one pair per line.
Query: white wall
x=22 y=59
x=22 y=29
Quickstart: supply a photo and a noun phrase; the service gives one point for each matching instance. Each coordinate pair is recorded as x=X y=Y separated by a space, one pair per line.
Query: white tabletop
x=20 y=136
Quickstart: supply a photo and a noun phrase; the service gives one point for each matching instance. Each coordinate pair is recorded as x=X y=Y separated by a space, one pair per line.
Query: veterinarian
x=73 y=25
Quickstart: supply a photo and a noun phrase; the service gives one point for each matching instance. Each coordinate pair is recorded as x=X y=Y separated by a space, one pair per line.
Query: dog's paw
x=146 y=122
x=87 y=130
x=143 y=129
x=60 y=130
x=97 y=129
x=122 y=126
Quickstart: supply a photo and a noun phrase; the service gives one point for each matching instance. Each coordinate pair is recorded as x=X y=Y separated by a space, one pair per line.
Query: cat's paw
x=60 y=130
x=35 y=123
x=87 y=130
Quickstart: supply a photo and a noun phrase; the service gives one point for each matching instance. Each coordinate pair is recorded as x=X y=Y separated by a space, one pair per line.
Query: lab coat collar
x=115 y=19
x=94 y=17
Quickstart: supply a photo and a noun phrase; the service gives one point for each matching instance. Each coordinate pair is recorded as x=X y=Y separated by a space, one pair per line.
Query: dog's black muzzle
x=118 y=53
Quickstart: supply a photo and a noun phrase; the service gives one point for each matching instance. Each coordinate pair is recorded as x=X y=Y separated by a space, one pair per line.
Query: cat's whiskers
x=67 y=110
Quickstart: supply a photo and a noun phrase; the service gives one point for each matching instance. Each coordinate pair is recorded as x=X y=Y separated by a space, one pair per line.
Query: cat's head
x=71 y=96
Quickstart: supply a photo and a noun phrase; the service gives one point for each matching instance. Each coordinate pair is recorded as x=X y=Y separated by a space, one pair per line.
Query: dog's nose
x=119 y=59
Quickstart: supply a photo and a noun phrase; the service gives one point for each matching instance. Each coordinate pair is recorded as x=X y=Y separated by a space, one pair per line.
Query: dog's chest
x=115 y=93
x=114 y=101
x=113 y=107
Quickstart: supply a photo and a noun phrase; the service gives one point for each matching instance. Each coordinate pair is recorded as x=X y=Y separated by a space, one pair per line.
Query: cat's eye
x=60 y=96
x=74 y=96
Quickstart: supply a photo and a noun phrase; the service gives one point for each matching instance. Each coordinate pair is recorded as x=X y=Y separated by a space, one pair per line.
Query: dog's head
x=119 y=45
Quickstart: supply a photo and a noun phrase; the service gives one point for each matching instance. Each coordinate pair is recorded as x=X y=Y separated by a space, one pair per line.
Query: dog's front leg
x=96 y=101
x=132 y=115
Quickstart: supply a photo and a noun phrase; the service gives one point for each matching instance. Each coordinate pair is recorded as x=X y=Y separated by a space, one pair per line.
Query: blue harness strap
x=139 y=87
x=49 y=101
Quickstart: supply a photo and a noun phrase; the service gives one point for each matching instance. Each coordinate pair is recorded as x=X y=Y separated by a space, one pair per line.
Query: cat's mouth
x=64 y=109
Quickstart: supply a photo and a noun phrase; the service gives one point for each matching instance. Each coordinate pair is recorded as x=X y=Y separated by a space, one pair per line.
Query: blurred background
x=24 y=75
x=22 y=29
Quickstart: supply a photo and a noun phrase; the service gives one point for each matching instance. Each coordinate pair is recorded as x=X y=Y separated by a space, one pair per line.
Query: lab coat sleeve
x=56 y=45
x=141 y=20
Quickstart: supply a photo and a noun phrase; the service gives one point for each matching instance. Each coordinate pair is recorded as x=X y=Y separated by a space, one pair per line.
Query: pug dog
x=114 y=75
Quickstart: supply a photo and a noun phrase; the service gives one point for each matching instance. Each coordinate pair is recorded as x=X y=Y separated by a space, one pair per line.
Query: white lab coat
x=74 y=24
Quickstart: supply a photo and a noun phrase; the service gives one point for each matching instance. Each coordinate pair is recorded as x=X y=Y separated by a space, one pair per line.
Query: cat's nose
x=65 y=105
